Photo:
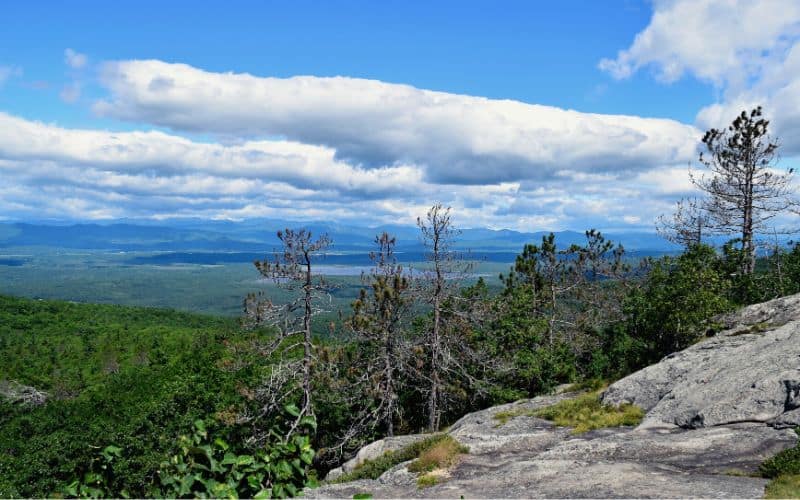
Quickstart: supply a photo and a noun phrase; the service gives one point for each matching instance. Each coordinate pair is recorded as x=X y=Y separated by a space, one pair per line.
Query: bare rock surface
x=714 y=412
x=749 y=372
x=16 y=393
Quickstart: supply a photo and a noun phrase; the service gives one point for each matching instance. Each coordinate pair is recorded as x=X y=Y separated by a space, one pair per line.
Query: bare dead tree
x=687 y=225
x=744 y=188
x=440 y=282
x=291 y=269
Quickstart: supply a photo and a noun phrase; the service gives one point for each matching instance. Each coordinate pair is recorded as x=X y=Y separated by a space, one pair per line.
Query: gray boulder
x=25 y=395
x=749 y=372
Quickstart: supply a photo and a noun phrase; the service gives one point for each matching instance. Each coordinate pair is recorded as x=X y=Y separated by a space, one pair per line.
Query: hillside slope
x=715 y=411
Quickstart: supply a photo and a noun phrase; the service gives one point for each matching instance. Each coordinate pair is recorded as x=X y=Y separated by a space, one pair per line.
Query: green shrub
x=210 y=468
x=679 y=297
x=97 y=482
x=785 y=462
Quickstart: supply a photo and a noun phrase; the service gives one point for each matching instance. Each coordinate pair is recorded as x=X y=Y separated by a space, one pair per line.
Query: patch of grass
x=785 y=462
x=362 y=496
x=740 y=473
x=784 y=486
x=755 y=328
x=439 y=456
x=784 y=470
x=428 y=480
x=372 y=469
x=584 y=413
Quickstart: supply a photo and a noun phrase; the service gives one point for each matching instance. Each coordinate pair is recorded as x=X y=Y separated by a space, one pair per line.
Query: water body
x=338 y=259
x=11 y=262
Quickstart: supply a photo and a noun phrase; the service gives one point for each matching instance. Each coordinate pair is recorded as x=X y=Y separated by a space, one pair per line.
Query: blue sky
x=546 y=115
x=538 y=52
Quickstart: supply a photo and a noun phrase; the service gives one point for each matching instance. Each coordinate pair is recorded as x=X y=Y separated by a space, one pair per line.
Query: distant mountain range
x=260 y=236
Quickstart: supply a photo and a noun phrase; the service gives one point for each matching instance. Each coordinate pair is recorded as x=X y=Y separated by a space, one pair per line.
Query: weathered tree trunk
x=433 y=398
x=308 y=345
x=389 y=395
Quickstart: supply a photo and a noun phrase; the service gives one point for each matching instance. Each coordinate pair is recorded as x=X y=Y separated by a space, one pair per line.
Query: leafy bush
x=97 y=481
x=679 y=297
x=206 y=468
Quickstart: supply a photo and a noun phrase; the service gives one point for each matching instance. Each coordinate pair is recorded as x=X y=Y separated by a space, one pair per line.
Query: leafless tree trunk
x=291 y=269
x=687 y=225
x=446 y=271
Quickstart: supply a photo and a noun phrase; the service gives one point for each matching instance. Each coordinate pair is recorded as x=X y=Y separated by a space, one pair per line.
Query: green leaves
x=212 y=468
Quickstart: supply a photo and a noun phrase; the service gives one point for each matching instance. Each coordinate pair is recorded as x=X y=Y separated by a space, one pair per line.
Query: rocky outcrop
x=714 y=412
x=749 y=372
x=19 y=394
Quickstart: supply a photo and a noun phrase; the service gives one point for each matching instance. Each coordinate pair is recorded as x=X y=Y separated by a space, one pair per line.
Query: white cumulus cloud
x=748 y=49
x=51 y=171
x=453 y=138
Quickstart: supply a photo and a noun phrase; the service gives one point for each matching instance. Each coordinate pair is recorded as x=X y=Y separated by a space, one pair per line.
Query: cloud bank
x=49 y=171
x=454 y=138
x=238 y=145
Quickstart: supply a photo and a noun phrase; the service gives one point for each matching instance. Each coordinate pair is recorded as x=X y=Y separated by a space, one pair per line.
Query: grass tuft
x=583 y=413
x=372 y=469
x=439 y=456
x=503 y=417
x=427 y=480
x=784 y=486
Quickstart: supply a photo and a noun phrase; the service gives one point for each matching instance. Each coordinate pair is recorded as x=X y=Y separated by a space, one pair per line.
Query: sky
x=521 y=115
